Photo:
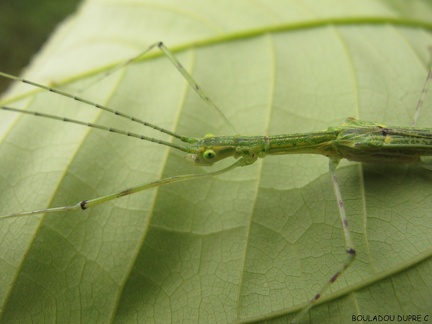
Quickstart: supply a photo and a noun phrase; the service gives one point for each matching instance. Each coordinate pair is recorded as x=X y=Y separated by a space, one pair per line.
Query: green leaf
x=249 y=246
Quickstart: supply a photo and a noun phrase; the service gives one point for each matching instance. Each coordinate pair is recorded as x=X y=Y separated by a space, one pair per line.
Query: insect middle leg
x=349 y=244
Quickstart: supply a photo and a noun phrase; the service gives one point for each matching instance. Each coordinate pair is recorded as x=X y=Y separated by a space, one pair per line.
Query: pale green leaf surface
x=249 y=246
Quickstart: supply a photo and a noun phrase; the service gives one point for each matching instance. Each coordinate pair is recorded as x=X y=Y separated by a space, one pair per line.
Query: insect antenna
x=94 y=105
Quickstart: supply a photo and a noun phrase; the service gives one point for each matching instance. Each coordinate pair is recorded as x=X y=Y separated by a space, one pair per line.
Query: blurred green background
x=24 y=27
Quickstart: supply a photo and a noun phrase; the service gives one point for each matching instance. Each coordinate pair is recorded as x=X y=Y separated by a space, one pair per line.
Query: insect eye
x=209 y=154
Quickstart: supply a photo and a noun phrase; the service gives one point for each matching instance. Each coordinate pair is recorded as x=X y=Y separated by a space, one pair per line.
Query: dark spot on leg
x=351 y=251
x=125 y=193
x=334 y=277
x=83 y=204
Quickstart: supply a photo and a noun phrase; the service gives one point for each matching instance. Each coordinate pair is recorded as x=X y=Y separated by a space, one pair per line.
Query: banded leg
x=181 y=69
x=349 y=244
x=86 y=204
x=422 y=96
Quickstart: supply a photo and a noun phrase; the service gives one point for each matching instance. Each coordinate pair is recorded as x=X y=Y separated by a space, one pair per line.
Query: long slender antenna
x=186 y=149
x=94 y=105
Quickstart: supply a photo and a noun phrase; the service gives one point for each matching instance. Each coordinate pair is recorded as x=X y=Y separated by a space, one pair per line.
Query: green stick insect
x=355 y=140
